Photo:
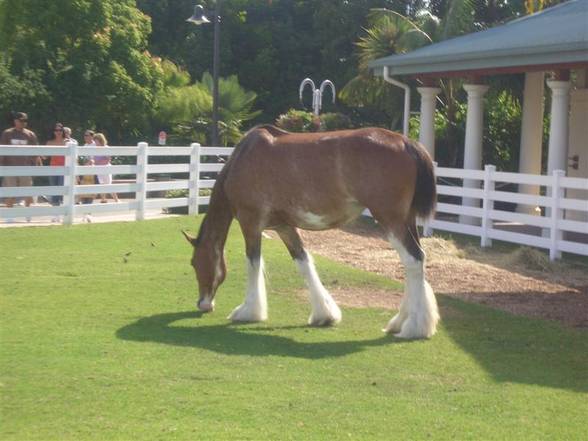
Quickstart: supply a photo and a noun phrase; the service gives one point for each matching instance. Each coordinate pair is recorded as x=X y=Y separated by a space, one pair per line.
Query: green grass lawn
x=96 y=348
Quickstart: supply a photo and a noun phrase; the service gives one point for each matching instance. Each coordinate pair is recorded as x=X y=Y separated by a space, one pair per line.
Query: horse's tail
x=425 y=193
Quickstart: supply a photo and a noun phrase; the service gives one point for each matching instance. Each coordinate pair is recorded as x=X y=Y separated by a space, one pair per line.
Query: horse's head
x=210 y=268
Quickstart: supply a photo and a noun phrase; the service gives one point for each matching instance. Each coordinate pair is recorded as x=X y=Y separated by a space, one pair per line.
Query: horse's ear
x=191 y=239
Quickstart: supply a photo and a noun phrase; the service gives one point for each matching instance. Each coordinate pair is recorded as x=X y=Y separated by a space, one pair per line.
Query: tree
x=271 y=45
x=187 y=110
x=19 y=92
x=89 y=58
x=391 y=32
x=388 y=33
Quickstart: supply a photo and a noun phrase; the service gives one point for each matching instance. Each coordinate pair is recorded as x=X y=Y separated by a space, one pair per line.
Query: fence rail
x=557 y=213
x=140 y=185
x=471 y=207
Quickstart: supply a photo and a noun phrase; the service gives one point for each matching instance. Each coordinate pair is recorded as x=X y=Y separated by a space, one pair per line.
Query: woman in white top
x=101 y=141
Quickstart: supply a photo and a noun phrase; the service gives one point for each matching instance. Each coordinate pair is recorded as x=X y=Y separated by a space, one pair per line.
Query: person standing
x=19 y=135
x=87 y=179
x=57 y=161
x=89 y=138
x=68 y=138
x=100 y=141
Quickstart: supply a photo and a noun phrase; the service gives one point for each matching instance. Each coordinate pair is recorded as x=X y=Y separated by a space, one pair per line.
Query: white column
x=472 y=158
x=427 y=126
x=557 y=158
x=558 y=136
x=578 y=145
x=531 y=134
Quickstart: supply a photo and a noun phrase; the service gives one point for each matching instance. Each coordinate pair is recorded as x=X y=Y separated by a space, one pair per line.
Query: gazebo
x=553 y=41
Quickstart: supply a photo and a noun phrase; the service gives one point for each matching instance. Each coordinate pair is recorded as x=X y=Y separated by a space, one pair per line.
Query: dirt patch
x=521 y=281
x=372 y=298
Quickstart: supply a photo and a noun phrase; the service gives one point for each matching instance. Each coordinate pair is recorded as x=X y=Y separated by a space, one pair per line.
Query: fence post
x=556 y=195
x=69 y=182
x=427 y=229
x=487 y=204
x=193 y=188
x=141 y=180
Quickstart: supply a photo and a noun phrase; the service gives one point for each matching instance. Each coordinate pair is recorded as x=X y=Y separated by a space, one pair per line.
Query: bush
x=335 y=121
x=172 y=194
x=298 y=121
x=302 y=121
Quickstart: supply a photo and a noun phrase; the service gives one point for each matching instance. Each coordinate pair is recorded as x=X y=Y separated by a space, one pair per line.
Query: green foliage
x=298 y=121
x=387 y=33
x=187 y=110
x=335 y=121
x=303 y=121
x=391 y=32
x=502 y=130
x=173 y=75
x=17 y=92
x=272 y=46
x=88 y=60
x=89 y=64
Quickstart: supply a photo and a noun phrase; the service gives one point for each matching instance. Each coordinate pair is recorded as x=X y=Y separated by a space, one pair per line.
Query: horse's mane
x=218 y=194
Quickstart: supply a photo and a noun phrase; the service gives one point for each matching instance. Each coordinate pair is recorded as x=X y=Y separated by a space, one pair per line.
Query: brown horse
x=283 y=181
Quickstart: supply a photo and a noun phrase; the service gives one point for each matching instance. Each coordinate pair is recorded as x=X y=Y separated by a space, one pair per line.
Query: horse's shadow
x=238 y=339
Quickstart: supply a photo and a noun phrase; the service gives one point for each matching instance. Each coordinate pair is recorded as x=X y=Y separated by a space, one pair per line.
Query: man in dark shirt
x=18 y=135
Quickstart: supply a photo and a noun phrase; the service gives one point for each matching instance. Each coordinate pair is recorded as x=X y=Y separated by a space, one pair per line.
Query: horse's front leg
x=254 y=308
x=324 y=309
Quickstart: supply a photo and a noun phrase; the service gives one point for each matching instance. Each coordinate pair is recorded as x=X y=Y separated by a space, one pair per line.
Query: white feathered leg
x=418 y=315
x=324 y=309
x=254 y=308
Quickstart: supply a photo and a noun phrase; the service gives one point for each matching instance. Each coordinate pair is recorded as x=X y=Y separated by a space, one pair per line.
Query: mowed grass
x=96 y=348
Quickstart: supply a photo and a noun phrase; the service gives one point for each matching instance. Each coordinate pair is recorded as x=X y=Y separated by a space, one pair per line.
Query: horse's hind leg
x=324 y=309
x=254 y=308
x=418 y=315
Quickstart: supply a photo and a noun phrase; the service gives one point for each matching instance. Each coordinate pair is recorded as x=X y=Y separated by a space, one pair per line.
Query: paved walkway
x=41 y=221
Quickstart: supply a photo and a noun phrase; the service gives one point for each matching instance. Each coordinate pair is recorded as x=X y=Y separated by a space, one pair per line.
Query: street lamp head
x=199 y=16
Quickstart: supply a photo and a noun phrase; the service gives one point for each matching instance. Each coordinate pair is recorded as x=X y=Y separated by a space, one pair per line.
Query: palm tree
x=187 y=109
x=390 y=32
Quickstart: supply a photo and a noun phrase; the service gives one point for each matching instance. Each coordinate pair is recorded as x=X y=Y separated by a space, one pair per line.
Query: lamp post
x=199 y=17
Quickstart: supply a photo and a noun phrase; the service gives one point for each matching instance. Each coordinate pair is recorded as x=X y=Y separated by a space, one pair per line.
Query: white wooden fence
x=140 y=185
x=472 y=210
x=556 y=209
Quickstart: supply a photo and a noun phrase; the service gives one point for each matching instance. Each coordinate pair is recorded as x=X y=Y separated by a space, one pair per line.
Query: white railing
x=556 y=209
x=462 y=208
x=139 y=184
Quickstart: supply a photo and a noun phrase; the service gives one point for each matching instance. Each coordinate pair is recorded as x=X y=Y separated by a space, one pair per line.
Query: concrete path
x=41 y=221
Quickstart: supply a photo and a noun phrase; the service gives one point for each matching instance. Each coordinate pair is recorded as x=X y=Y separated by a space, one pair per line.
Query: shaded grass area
x=96 y=348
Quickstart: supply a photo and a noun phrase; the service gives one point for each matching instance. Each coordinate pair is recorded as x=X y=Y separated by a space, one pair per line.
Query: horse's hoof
x=395 y=324
x=205 y=306
x=323 y=322
x=243 y=313
x=411 y=331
